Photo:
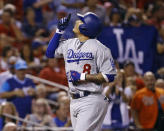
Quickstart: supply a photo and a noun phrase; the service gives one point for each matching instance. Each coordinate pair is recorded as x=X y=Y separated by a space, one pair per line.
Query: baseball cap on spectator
x=133 y=18
x=10 y=7
x=20 y=65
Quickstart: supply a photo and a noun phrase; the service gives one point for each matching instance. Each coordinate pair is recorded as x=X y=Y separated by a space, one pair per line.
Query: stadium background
x=133 y=30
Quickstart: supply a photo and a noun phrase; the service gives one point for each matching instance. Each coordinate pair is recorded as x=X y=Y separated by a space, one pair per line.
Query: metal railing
x=36 y=126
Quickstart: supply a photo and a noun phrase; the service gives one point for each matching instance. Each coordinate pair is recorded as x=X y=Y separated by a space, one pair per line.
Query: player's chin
x=74 y=30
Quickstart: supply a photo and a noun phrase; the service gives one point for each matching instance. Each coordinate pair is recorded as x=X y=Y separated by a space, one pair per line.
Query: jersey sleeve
x=5 y=87
x=59 y=52
x=105 y=62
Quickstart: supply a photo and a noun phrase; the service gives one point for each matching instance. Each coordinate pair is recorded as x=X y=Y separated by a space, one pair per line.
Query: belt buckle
x=80 y=94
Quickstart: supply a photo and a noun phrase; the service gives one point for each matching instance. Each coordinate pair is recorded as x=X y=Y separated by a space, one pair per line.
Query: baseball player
x=88 y=64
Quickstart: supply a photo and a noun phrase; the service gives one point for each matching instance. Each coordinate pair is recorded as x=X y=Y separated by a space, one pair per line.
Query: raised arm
x=54 y=42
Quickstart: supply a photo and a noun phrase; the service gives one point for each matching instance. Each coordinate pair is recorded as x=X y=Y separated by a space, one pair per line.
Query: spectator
x=60 y=95
x=93 y=6
x=62 y=114
x=108 y=8
x=26 y=54
x=38 y=45
x=8 y=29
x=134 y=17
x=41 y=93
x=10 y=127
x=160 y=48
x=53 y=72
x=157 y=16
x=115 y=17
x=40 y=114
x=160 y=73
x=37 y=6
x=7 y=108
x=148 y=105
x=117 y=117
x=19 y=89
x=130 y=88
x=12 y=8
x=6 y=54
x=8 y=73
x=129 y=71
x=30 y=27
x=18 y=4
x=159 y=83
x=134 y=21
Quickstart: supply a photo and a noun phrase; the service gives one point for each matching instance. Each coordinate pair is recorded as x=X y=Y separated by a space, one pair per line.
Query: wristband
x=82 y=76
x=59 y=31
x=105 y=77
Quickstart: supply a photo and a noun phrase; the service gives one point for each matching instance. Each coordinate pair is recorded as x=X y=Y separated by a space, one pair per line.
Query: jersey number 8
x=86 y=68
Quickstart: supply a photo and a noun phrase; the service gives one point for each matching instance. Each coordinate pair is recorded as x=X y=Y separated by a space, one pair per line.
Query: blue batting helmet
x=91 y=26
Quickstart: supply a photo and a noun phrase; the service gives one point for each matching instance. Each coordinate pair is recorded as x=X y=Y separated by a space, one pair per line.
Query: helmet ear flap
x=83 y=29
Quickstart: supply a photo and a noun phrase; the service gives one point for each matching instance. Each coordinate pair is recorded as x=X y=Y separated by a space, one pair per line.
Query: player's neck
x=82 y=38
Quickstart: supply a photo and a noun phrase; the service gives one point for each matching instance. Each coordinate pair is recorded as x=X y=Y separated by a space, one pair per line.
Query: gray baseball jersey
x=90 y=57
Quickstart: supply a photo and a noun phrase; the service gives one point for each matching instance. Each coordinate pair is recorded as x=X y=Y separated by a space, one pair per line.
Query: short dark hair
x=128 y=62
x=5 y=50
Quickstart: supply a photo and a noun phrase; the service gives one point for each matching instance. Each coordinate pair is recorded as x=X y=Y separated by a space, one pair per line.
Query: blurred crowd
x=26 y=26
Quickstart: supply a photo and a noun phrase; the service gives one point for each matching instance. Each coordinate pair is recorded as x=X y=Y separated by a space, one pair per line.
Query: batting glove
x=63 y=23
x=76 y=76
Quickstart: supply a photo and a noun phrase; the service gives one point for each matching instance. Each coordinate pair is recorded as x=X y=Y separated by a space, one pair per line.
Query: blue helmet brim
x=81 y=17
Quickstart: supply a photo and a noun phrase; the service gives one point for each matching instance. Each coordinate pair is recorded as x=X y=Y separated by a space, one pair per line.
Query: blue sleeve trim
x=53 y=45
x=5 y=87
x=110 y=77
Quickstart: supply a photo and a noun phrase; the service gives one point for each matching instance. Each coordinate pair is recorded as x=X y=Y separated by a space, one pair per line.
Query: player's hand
x=19 y=93
x=75 y=76
x=63 y=23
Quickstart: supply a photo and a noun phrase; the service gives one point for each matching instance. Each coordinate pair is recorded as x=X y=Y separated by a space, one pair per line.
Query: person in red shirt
x=9 y=32
x=129 y=71
x=54 y=72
